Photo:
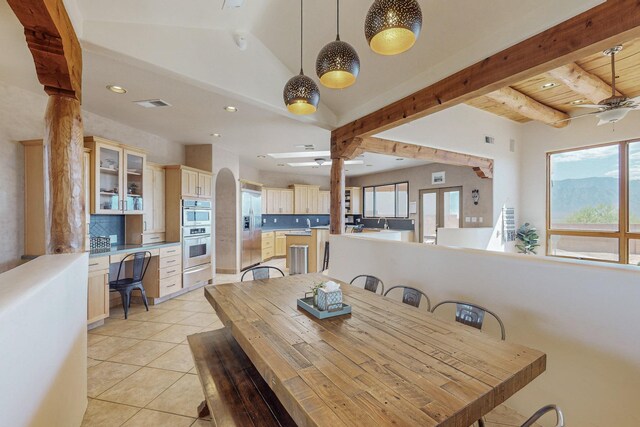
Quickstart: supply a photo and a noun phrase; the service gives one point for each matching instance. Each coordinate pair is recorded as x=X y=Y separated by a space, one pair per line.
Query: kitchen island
x=314 y=238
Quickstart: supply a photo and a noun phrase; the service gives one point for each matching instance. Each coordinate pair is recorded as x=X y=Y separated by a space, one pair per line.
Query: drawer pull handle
x=94 y=264
x=171 y=286
x=154 y=238
x=172 y=271
x=171 y=251
x=171 y=261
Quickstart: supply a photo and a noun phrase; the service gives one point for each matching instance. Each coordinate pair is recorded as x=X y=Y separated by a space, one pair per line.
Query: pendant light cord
x=301 y=39
x=338 y=20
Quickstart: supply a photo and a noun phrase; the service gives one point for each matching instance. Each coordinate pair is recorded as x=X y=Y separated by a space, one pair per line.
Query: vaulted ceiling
x=184 y=52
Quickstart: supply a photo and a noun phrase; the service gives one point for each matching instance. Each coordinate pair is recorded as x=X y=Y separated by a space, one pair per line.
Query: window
x=389 y=201
x=593 y=208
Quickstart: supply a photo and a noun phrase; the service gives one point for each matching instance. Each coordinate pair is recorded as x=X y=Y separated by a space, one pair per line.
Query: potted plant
x=528 y=237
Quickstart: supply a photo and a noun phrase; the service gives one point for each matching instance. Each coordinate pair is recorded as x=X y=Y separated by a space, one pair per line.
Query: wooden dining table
x=386 y=363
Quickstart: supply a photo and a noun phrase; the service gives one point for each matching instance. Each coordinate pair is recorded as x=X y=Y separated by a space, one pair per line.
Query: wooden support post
x=64 y=183
x=57 y=56
x=337 y=196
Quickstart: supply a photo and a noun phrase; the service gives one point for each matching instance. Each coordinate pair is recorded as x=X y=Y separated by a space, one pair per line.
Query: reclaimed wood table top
x=385 y=364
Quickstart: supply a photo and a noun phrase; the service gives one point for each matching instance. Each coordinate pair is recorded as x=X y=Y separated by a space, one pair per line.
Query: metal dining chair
x=325 y=260
x=411 y=296
x=539 y=414
x=371 y=283
x=472 y=315
x=126 y=285
x=261 y=272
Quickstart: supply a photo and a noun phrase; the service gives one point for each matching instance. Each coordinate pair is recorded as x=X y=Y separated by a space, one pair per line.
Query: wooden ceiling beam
x=529 y=107
x=601 y=27
x=54 y=45
x=583 y=82
x=420 y=152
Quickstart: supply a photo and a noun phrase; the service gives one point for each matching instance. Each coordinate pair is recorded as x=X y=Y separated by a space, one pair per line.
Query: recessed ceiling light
x=549 y=85
x=117 y=89
x=577 y=102
x=261 y=156
x=300 y=154
x=230 y=109
x=217 y=135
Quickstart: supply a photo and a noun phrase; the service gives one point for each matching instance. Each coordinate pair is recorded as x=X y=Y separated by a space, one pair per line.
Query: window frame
x=395 y=198
x=624 y=235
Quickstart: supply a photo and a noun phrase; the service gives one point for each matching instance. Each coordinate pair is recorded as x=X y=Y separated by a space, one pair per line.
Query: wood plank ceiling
x=561 y=96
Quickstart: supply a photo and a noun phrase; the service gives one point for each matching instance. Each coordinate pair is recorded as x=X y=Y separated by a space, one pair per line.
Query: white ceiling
x=183 y=52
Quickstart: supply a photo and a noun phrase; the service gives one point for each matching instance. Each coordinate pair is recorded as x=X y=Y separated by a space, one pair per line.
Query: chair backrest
x=261 y=272
x=140 y=261
x=371 y=283
x=472 y=315
x=542 y=411
x=411 y=296
x=325 y=261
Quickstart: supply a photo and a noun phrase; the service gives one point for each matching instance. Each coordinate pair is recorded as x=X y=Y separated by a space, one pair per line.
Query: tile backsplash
x=293 y=221
x=107 y=225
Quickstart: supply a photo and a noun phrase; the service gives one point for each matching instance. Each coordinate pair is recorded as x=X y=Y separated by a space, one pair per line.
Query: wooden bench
x=235 y=393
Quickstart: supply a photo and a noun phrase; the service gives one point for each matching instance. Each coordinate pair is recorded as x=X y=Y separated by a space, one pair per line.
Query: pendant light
x=301 y=94
x=338 y=63
x=392 y=26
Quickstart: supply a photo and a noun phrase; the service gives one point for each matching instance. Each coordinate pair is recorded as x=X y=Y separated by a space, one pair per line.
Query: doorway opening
x=439 y=208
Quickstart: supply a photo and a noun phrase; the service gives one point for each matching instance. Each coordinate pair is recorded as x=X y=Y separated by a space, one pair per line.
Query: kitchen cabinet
x=305 y=199
x=153 y=217
x=324 y=202
x=277 y=201
x=196 y=184
x=98 y=289
x=117 y=177
x=268 y=245
x=353 y=200
x=281 y=243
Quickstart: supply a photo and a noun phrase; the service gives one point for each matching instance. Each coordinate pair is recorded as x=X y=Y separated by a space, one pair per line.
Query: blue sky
x=593 y=162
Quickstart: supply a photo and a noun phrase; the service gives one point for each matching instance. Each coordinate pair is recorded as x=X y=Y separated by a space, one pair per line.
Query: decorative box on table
x=325 y=302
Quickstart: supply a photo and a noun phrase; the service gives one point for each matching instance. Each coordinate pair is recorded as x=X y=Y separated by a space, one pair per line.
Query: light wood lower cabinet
x=281 y=243
x=168 y=273
x=268 y=243
x=98 y=289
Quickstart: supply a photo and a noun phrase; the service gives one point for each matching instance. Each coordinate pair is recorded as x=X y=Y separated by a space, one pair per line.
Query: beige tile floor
x=140 y=370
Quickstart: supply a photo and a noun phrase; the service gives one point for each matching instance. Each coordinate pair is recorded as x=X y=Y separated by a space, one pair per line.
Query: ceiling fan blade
x=589 y=106
x=613 y=115
x=577 y=117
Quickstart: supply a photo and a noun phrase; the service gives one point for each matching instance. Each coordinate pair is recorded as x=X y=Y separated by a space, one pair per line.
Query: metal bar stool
x=126 y=285
x=539 y=414
x=261 y=272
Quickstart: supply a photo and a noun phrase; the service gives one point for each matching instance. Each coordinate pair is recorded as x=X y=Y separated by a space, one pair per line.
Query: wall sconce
x=475 y=195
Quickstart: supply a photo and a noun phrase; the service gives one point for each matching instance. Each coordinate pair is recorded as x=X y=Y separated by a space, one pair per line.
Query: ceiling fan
x=615 y=108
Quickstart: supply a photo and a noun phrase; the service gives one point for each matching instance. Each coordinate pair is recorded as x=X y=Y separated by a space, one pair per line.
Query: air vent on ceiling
x=489 y=140
x=306 y=147
x=232 y=4
x=153 y=103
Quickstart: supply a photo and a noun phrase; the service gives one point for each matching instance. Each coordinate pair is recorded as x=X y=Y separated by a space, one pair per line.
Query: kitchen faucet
x=386 y=222
x=308 y=223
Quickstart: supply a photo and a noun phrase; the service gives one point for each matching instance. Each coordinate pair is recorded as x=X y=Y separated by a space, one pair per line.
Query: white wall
x=462 y=129
x=226 y=159
x=538 y=139
x=43 y=342
x=582 y=315
x=21 y=118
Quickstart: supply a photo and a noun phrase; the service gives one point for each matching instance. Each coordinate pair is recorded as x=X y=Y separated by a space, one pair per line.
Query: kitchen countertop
x=294 y=229
x=118 y=249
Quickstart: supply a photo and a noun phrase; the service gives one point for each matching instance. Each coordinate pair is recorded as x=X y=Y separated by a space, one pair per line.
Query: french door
x=439 y=208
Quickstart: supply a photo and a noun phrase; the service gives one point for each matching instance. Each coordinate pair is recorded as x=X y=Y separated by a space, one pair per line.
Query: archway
x=226 y=242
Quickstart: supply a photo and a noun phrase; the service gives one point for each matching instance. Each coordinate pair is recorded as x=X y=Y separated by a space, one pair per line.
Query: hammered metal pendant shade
x=392 y=26
x=301 y=95
x=338 y=65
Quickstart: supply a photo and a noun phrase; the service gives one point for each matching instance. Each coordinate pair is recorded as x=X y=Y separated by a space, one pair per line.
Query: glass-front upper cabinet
x=109 y=179
x=133 y=182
